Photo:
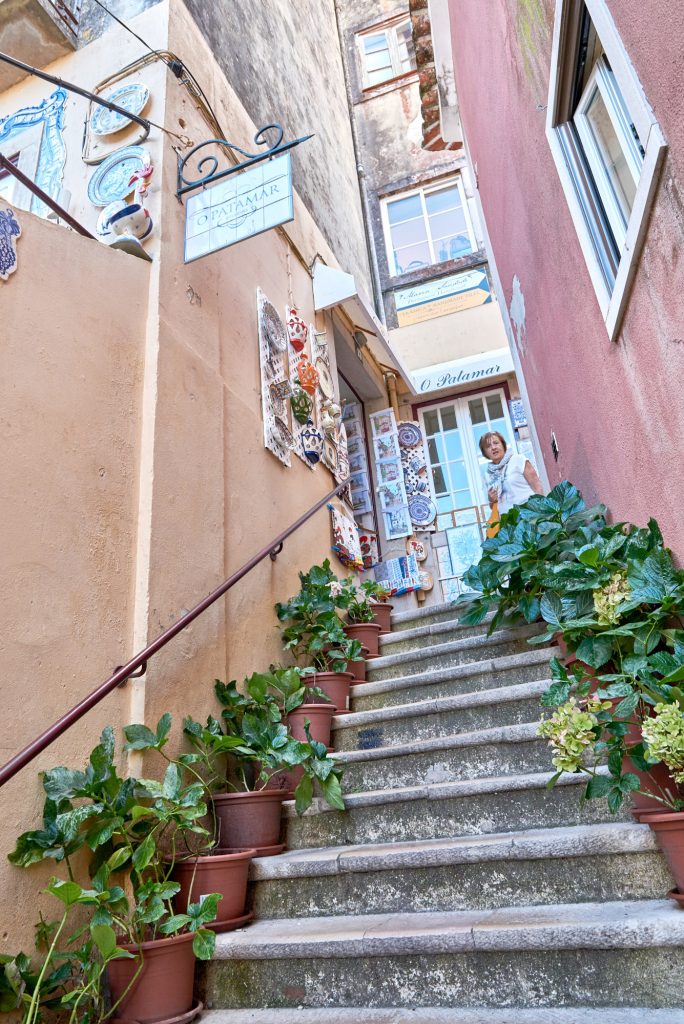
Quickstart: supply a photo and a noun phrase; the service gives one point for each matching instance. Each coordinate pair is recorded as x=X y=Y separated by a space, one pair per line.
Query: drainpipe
x=361 y=177
x=391 y=385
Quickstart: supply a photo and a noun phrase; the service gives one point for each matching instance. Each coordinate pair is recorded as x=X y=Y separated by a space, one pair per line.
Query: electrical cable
x=129 y=29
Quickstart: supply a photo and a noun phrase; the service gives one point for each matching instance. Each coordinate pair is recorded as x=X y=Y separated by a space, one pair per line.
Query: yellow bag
x=493 y=522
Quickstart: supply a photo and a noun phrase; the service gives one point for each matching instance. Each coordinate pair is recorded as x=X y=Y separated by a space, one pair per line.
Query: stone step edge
x=521 y=733
x=529 y=844
x=469 y=643
x=433 y=629
x=440 y=1015
x=438 y=705
x=441 y=791
x=423 y=612
x=614 y=925
x=524 y=659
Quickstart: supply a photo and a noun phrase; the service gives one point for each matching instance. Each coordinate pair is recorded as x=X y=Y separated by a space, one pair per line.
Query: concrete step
x=442 y=682
x=606 y=862
x=471 y=807
x=440 y=1015
x=418 y=635
x=425 y=615
x=444 y=716
x=454 y=652
x=582 y=954
x=504 y=750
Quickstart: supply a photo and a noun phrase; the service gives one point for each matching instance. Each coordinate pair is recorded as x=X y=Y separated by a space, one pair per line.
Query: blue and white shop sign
x=239 y=207
x=39 y=128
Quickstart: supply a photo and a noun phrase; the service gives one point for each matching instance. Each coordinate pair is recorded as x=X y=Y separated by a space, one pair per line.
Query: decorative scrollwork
x=207 y=167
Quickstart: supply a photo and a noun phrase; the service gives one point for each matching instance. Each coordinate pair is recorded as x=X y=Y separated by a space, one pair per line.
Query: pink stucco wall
x=616 y=407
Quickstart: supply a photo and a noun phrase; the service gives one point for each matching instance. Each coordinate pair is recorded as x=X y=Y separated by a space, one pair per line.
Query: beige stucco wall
x=445 y=338
x=163 y=385
x=72 y=321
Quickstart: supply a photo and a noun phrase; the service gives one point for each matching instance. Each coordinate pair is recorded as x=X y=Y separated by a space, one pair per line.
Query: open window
x=607 y=146
x=386 y=52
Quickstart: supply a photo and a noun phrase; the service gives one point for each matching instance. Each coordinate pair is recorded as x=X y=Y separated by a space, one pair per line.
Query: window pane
x=459 y=476
x=494 y=406
x=614 y=158
x=436 y=449
x=448 y=417
x=439 y=481
x=412 y=257
x=404 y=209
x=462 y=499
x=431 y=422
x=408 y=232
x=453 y=445
x=406 y=50
x=477 y=410
x=451 y=247
x=445 y=199
x=445 y=504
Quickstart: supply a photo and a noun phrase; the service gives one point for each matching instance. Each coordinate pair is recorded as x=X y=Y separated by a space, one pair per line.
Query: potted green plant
x=243 y=751
x=382 y=609
x=315 y=632
x=129 y=830
x=302 y=702
x=361 y=624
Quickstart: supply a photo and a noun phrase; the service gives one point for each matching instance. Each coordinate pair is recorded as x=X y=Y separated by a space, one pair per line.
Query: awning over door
x=336 y=288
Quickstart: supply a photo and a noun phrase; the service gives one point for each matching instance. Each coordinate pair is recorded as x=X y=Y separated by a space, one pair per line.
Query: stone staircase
x=455 y=888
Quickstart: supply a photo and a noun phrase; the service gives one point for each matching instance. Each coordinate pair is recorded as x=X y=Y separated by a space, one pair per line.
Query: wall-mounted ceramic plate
x=133 y=97
x=325 y=380
x=422 y=510
x=408 y=434
x=111 y=179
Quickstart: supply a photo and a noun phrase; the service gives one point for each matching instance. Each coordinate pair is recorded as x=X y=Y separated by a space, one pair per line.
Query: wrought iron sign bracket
x=207 y=166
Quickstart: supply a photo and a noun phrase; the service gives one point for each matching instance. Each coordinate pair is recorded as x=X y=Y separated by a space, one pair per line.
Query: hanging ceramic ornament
x=328 y=425
x=301 y=404
x=312 y=442
x=307 y=374
x=297 y=330
x=416 y=548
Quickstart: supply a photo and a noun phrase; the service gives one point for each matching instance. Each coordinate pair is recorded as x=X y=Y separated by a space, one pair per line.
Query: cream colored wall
x=456 y=336
x=72 y=320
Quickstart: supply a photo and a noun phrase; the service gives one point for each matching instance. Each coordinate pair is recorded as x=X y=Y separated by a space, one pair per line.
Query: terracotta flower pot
x=250 y=821
x=320 y=716
x=224 y=871
x=163 y=989
x=358 y=668
x=669 y=830
x=286 y=782
x=335 y=685
x=367 y=633
x=383 y=616
x=656 y=779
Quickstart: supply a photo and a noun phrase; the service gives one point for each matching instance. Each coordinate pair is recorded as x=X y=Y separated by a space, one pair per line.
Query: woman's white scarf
x=496 y=473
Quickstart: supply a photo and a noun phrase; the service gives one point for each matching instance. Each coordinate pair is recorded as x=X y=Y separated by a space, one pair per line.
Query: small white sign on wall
x=238 y=207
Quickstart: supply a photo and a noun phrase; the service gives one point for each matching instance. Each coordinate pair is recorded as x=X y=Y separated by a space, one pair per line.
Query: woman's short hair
x=485 y=439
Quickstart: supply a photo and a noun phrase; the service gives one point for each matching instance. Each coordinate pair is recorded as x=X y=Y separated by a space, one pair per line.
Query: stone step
x=416 y=636
x=480 y=675
x=444 y=716
x=506 y=749
x=441 y=1015
x=454 y=652
x=583 y=954
x=601 y=862
x=470 y=807
x=424 y=615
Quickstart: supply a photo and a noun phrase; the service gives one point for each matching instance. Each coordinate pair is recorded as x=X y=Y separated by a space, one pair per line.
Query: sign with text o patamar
x=238 y=207
x=472 y=369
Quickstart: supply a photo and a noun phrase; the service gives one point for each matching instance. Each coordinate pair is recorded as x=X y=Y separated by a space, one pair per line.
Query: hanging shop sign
x=445 y=295
x=238 y=201
x=463 y=371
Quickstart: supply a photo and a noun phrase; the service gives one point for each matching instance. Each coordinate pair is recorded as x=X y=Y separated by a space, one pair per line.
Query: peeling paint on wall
x=517 y=314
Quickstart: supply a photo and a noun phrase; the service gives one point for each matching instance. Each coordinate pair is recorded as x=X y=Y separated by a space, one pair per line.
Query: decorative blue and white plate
x=422 y=510
x=409 y=434
x=111 y=179
x=131 y=97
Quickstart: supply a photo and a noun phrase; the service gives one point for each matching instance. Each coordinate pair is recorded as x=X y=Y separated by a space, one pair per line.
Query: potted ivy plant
x=128 y=829
x=302 y=703
x=361 y=624
x=382 y=609
x=315 y=632
x=243 y=751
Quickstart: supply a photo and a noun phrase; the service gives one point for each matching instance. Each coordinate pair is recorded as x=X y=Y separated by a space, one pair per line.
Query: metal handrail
x=138 y=664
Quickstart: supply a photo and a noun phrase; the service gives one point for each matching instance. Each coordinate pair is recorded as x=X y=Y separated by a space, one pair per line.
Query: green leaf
x=598 y=786
x=630 y=783
x=144 y=854
x=139 y=737
x=203 y=944
x=595 y=650
x=551 y=608
x=163 y=728
x=174 y=924
x=61 y=783
x=530 y=607
x=104 y=938
x=615 y=799
x=118 y=858
x=556 y=694
x=172 y=782
x=332 y=792
x=654 y=579
x=303 y=794
x=68 y=892
x=627 y=707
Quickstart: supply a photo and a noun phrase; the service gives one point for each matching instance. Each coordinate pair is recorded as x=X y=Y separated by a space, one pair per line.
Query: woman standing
x=511 y=478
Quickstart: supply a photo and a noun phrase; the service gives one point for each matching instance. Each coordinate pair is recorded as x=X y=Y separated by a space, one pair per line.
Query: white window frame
x=390 y=30
x=423 y=191
x=612 y=300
